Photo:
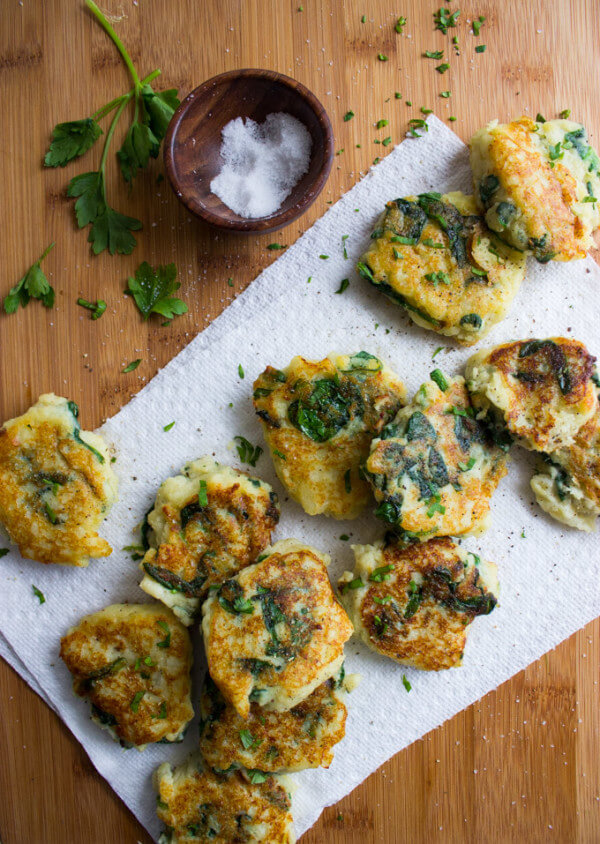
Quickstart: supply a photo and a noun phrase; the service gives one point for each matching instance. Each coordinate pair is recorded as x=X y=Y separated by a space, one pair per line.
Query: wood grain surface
x=520 y=765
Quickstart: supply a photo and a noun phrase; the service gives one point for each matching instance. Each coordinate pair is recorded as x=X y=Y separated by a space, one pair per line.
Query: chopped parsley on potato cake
x=302 y=737
x=197 y=804
x=207 y=523
x=319 y=418
x=433 y=255
x=414 y=603
x=539 y=392
x=538 y=183
x=133 y=662
x=275 y=631
x=56 y=484
x=435 y=467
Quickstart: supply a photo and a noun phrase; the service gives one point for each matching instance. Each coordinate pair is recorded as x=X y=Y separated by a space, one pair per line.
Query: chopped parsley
x=437 y=351
x=248 y=740
x=434 y=54
x=434 y=506
x=438 y=376
x=344 y=250
x=344 y=537
x=565 y=114
x=97 y=308
x=166 y=642
x=400 y=24
x=445 y=94
x=415 y=124
x=442 y=68
x=38 y=594
x=202 y=494
x=343 y=285
x=382 y=57
x=247 y=452
x=348 y=116
x=478 y=24
x=352 y=584
x=324 y=257
x=405 y=683
x=444 y=19
x=465 y=467
x=241 y=372
x=381 y=573
x=274 y=246
x=437 y=278
x=381 y=124
x=480 y=48
x=279 y=454
x=169 y=426
x=131 y=366
x=135 y=701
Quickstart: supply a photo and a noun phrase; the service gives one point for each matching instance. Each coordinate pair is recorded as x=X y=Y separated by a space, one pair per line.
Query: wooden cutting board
x=520 y=765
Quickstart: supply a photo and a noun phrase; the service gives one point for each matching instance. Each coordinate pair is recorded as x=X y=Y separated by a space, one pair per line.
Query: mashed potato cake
x=538 y=183
x=414 y=603
x=56 y=484
x=433 y=255
x=539 y=392
x=275 y=631
x=133 y=662
x=568 y=484
x=435 y=467
x=302 y=737
x=319 y=418
x=197 y=804
x=207 y=523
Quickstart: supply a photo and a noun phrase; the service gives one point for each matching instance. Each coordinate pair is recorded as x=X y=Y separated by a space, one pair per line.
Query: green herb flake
x=539 y=118
x=169 y=426
x=397 y=95
x=352 y=584
x=37 y=592
x=385 y=600
x=33 y=285
x=274 y=246
x=363 y=19
x=442 y=68
x=437 y=351
x=202 y=493
x=343 y=285
x=386 y=141
x=131 y=366
x=400 y=24
x=381 y=124
x=381 y=573
x=405 y=683
x=97 y=308
x=433 y=54
x=452 y=119
x=382 y=57
x=438 y=376
x=344 y=537
x=446 y=94
x=565 y=114
x=478 y=24
x=466 y=467
x=426 y=111
x=376 y=160
x=523 y=534
x=166 y=642
x=135 y=701
x=427 y=241
x=230 y=282
x=344 y=250
x=480 y=48
x=248 y=740
x=348 y=116
x=247 y=452
x=443 y=19
x=438 y=278
x=241 y=372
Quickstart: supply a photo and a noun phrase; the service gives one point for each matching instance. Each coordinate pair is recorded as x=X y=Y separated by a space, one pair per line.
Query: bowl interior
x=194 y=140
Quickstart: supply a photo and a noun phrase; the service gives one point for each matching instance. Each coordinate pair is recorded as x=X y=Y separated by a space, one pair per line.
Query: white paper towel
x=550 y=576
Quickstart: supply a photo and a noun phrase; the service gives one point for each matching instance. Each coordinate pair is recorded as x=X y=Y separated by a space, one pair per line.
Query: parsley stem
x=117 y=41
x=110 y=133
x=102 y=112
x=45 y=252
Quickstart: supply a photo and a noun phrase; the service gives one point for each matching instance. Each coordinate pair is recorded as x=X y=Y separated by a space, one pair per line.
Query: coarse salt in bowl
x=249 y=150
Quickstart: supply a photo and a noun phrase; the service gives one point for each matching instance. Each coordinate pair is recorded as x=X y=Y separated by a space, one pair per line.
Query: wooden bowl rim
x=252 y=224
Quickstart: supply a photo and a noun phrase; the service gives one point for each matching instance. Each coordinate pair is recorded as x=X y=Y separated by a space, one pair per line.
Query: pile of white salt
x=262 y=163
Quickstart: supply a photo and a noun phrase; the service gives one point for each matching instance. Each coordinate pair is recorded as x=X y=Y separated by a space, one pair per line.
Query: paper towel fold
x=550 y=583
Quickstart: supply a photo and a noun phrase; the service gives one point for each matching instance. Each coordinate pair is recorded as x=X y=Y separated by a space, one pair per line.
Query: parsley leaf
x=110 y=229
x=152 y=291
x=131 y=366
x=70 y=140
x=97 y=308
x=38 y=594
x=247 y=452
x=33 y=285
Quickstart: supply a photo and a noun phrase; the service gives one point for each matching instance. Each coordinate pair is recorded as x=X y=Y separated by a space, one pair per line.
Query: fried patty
x=197 y=804
x=538 y=184
x=207 y=523
x=540 y=392
x=435 y=467
x=133 y=662
x=56 y=484
x=434 y=256
x=275 y=631
x=319 y=418
x=414 y=603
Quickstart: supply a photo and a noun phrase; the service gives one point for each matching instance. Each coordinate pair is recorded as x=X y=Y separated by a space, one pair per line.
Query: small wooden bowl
x=193 y=142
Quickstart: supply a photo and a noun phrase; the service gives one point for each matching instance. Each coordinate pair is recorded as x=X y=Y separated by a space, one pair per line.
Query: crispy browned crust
x=133 y=633
x=203 y=800
x=302 y=737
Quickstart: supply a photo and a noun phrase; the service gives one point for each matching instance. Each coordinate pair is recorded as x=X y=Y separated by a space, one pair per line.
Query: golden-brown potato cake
x=133 y=662
x=56 y=484
x=207 y=524
x=275 y=627
x=198 y=805
x=540 y=392
x=414 y=603
x=568 y=485
x=434 y=256
x=318 y=418
x=435 y=467
x=302 y=737
x=539 y=185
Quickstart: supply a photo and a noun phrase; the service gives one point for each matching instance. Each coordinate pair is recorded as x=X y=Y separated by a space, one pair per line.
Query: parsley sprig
x=33 y=285
x=152 y=290
x=110 y=229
